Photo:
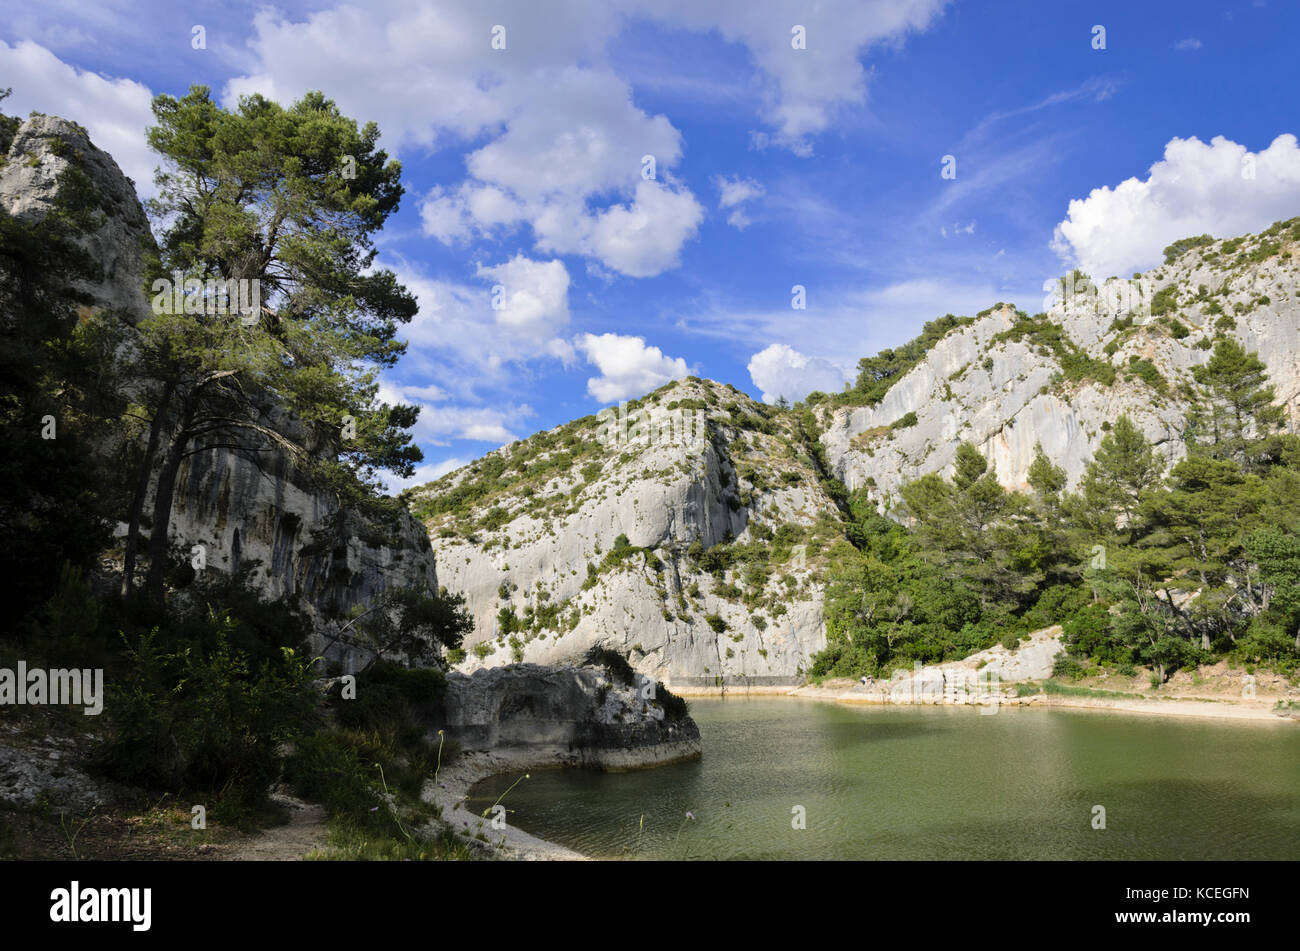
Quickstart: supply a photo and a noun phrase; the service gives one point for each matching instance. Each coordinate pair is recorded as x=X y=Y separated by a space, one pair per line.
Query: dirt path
x=291 y=842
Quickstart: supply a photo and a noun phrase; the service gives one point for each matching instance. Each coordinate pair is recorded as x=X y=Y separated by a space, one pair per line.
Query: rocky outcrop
x=1007 y=392
x=308 y=547
x=582 y=715
x=689 y=534
x=41 y=765
x=44 y=152
x=977 y=679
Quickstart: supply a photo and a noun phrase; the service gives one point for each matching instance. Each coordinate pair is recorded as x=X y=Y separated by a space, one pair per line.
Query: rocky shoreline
x=451 y=790
x=526 y=717
x=995 y=676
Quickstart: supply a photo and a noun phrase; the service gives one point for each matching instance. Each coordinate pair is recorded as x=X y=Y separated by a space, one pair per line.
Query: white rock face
x=46 y=148
x=1006 y=397
x=524 y=543
x=977 y=679
x=307 y=546
x=719 y=482
x=583 y=710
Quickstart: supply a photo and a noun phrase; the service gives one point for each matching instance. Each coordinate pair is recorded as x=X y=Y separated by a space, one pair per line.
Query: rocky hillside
x=700 y=557
x=1006 y=382
x=688 y=535
x=239 y=511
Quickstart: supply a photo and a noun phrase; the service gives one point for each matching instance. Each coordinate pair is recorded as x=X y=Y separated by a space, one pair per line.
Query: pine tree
x=1236 y=410
x=289 y=198
x=1124 y=468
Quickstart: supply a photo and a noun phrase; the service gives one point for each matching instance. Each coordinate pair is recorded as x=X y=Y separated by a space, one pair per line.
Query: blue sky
x=774 y=166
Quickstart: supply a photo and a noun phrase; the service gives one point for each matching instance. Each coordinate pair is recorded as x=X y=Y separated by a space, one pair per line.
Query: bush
x=1183 y=245
x=1057 y=604
x=1266 y=641
x=1088 y=633
x=674 y=707
x=327 y=768
x=205 y=720
x=614 y=662
x=908 y=419
x=388 y=693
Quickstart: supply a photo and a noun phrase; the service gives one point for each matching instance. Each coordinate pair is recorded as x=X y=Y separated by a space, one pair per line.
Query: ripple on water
x=932 y=783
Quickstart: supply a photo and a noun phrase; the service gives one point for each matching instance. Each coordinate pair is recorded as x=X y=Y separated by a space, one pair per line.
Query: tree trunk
x=142 y=490
x=162 y=505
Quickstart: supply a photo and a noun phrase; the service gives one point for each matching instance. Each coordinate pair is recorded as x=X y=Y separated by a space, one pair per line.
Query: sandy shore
x=453 y=784
x=452 y=788
x=1260 y=709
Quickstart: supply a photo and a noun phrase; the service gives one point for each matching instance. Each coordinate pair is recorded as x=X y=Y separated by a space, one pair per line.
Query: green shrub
x=614 y=662
x=327 y=768
x=908 y=419
x=1164 y=300
x=674 y=707
x=205 y=720
x=1183 y=245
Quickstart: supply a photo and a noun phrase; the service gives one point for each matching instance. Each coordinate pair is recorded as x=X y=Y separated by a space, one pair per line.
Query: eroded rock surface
x=584 y=713
x=308 y=547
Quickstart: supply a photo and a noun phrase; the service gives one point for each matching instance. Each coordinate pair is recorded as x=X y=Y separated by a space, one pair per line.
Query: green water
x=932 y=783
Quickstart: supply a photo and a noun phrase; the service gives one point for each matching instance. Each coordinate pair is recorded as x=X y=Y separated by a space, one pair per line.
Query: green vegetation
x=523 y=466
x=1140 y=566
x=877 y=374
x=1048 y=337
x=1164 y=300
x=255 y=194
x=215 y=696
x=1146 y=371
x=1071 y=690
x=1183 y=245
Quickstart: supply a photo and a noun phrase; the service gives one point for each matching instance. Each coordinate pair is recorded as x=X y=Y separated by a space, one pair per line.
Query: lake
x=932 y=783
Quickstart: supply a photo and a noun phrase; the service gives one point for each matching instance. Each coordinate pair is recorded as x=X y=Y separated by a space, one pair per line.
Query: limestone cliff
x=689 y=535
x=719 y=578
x=306 y=543
x=1007 y=383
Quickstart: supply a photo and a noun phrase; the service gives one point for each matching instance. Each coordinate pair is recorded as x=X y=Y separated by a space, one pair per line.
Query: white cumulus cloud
x=533 y=295
x=115 y=112
x=1221 y=189
x=779 y=370
x=628 y=367
x=564 y=138
x=644 y=238
x=803 y=88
